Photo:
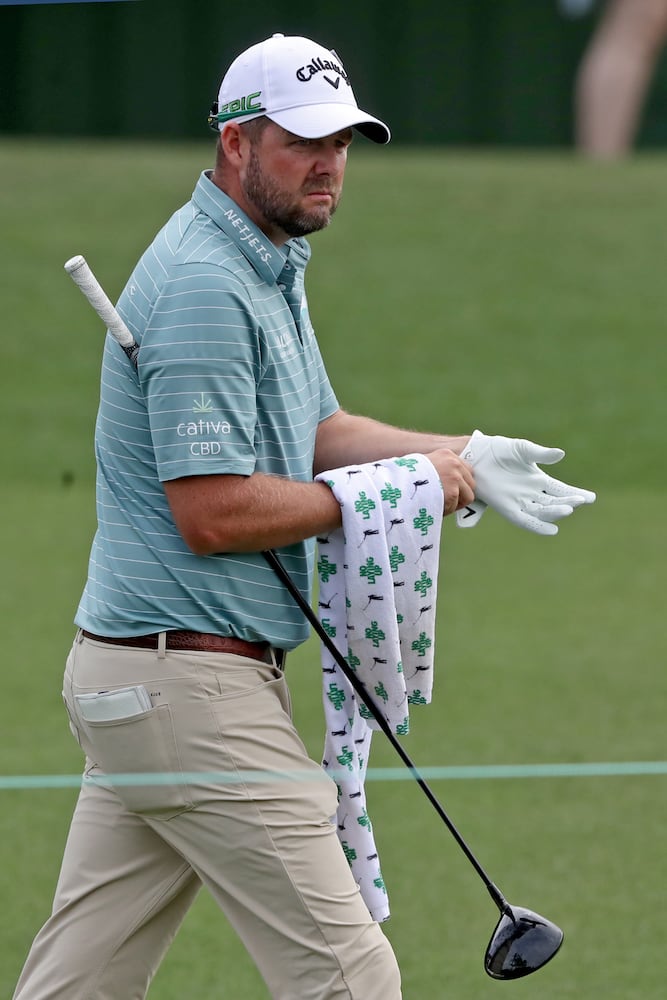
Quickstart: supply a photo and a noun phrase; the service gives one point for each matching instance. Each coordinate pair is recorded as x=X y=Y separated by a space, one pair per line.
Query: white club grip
x=80 y=272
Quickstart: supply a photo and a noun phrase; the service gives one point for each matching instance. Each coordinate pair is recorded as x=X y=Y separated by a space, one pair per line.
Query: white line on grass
x=602 y=769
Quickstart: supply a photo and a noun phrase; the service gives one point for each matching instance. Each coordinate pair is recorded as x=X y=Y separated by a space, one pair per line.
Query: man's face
x=294 y=184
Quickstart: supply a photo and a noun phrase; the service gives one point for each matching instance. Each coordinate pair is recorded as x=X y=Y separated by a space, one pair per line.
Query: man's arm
x=227 y=513
x=346 y=439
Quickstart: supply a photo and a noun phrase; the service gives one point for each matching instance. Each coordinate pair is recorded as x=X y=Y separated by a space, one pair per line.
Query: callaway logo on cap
x=299 y=85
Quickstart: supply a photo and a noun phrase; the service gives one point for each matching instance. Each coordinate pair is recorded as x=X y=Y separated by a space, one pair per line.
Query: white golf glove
x=508 y=479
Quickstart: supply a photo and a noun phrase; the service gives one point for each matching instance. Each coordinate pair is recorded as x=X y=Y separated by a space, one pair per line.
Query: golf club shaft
x=360 y=689
x=81 y=273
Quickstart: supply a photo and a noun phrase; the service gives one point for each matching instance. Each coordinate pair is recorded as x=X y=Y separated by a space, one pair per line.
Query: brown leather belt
x=176 y=639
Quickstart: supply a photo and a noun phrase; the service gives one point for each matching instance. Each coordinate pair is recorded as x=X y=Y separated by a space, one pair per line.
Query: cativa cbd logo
x=317 y=65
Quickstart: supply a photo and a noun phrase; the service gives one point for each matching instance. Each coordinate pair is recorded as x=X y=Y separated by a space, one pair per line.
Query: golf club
x=522 y=941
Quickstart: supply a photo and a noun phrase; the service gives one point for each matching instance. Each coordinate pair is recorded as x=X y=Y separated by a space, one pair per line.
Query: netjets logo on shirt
x=246 y=235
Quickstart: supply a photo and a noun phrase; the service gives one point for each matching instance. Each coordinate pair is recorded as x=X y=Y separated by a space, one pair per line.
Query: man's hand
x=456 y=477
x=508 y=479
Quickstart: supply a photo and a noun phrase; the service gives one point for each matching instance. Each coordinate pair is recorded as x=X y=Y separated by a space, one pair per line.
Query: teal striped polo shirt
x=230 y=380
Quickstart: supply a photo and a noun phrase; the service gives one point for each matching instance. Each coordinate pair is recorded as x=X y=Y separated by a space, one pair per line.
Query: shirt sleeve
x=328 y=401
x=199 y=367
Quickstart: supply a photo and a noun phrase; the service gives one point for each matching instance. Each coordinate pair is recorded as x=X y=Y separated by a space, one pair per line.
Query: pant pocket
x=73 y=728
x=138 y=756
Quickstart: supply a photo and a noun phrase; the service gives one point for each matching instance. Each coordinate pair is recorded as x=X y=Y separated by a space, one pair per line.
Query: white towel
x=377 y=602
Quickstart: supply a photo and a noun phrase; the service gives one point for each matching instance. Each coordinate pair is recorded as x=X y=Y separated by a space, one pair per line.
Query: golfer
x=206 y=456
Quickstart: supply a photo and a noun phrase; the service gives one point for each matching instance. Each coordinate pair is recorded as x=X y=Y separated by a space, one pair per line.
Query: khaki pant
x=265 y=848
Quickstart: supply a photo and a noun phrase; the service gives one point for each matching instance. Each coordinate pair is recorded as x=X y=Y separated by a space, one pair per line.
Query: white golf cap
x=299 y=85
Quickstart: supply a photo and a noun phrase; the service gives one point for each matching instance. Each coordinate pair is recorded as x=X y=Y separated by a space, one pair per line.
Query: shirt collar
x=266 y=259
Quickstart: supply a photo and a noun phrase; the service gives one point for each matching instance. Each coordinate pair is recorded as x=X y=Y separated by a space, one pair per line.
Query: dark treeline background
x=460 y=72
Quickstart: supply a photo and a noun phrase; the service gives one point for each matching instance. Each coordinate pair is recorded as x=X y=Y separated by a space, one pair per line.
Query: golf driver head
x=521 y=945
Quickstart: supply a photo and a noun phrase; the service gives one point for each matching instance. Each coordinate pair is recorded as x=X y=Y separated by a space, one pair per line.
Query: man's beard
x=278 y=208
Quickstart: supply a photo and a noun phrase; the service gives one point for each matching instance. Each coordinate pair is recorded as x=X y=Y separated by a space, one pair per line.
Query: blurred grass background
x=522 y=294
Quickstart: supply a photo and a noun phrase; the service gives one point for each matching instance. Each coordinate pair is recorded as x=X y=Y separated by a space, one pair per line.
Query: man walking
x=206 y=456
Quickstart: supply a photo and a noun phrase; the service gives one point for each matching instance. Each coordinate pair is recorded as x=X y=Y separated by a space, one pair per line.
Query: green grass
x=522 y=294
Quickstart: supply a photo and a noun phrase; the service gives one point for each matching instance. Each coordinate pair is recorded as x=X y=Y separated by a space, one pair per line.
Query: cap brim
x=314 y=121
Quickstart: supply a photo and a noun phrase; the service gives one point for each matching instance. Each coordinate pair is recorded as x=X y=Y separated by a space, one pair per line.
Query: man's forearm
x=229 y=513
x=249 y=513
x=344 y=439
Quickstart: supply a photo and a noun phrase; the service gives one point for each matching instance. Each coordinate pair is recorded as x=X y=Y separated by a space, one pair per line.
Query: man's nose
x=328 y=161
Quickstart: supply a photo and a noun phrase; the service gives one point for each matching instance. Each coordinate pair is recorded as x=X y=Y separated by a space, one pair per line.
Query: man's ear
x=233 y=141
